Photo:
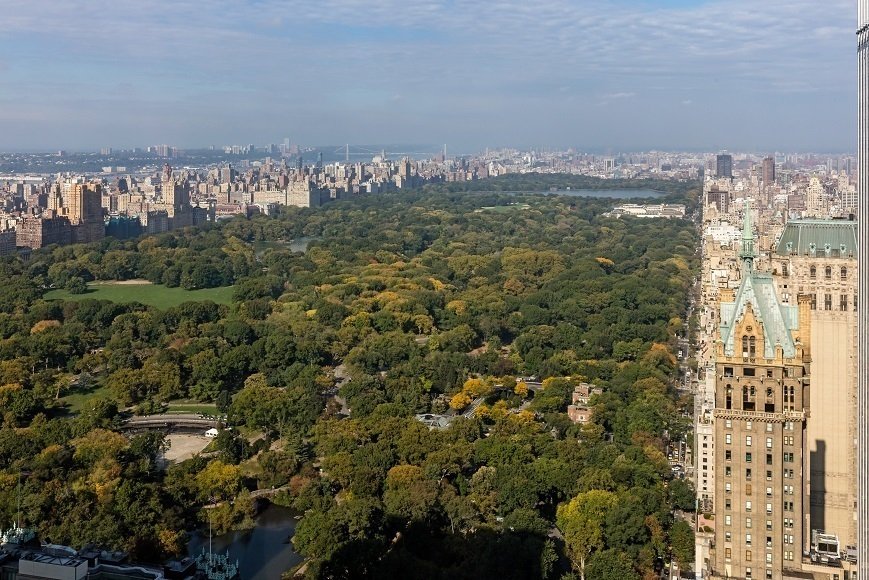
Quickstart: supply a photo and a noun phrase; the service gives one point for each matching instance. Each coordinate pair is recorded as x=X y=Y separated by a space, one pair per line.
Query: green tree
x=682 y=543
x=581 y=520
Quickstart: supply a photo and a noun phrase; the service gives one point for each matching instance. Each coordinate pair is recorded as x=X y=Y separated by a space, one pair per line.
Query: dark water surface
x=613 y=193
x=263 y=553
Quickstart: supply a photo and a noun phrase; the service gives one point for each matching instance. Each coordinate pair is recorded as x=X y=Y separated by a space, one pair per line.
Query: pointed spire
x=747 y=254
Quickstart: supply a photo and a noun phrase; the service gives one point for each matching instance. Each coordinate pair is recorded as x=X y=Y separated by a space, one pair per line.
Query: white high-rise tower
x=863 y=288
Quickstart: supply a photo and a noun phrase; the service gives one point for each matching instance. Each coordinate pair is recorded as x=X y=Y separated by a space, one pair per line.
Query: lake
x=297 y=245
x=612 y=193
x=263 y=553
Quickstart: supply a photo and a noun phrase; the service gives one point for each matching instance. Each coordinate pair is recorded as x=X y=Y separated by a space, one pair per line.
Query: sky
x=614 y=75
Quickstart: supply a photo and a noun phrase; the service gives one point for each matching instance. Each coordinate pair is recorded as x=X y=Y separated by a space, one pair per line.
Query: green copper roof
x=833 y=238
x=758 y=289
x=776 y=319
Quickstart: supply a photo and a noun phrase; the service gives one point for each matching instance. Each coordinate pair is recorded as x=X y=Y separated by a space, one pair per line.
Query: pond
x=297 y=245
x=263 y=553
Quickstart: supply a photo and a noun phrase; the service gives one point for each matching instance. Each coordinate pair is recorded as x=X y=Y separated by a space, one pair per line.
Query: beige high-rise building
x=816 y=200
x=762 y=370
x=818 y=258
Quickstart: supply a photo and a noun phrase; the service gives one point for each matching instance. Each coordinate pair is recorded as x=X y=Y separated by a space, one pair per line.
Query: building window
x=828 y=273
x=769 y=442
x=727 y=471
x=768 y=475
x=727 y=553
x=843 y=302
x=843 y=273
x=727 y=438
x=748 y=523
x=727 y=487
x=748 y=506
x=748 y=440
x=769 y=509
x=769 y=458
x=727 y=520
x=748 y=474
x=728 y=424
x=813 y=272
x=748 y=396
x=769 y=425
x=748 y=555
x=784 y=269
x=828 y=301
x=727 y=455
x=747 y=539
x=788 y=457
x=748 y=457
x=814 y=298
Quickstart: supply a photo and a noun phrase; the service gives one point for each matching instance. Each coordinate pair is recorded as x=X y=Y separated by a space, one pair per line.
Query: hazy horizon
x=620 y=75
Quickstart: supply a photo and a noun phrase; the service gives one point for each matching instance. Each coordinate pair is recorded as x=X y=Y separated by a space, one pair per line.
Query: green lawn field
x=151 y=294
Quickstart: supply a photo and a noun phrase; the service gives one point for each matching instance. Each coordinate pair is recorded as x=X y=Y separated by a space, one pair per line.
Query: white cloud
x=495 y=58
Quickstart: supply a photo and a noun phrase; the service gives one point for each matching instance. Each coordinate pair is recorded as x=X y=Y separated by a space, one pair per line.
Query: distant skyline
x=611 y=74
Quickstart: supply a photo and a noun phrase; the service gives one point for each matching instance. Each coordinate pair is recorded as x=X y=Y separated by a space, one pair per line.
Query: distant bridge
x=179 y=422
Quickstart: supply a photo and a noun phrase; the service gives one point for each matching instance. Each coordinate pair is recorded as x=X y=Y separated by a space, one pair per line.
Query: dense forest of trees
x=428 y=301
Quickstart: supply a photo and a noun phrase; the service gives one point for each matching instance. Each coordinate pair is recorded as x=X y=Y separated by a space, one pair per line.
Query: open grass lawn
x=78 y=399
x=151 y=294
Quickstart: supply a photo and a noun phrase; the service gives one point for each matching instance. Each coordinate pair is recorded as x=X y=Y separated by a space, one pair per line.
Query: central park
x=425 y=301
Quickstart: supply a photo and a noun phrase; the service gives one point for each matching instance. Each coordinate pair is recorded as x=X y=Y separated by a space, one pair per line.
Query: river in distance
x=263 y=553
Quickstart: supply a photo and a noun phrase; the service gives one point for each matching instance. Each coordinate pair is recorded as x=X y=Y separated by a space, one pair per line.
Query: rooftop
x=830 y=238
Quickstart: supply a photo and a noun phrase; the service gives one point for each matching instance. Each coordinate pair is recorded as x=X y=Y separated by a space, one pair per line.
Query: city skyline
x=623 y=75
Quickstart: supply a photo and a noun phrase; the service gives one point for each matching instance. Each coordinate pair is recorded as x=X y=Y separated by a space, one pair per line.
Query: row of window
x=828 y=302
x=788 y=523
x=787 y=489
x=828 y=272
x=750 y=371
x=786 y=473
x=787 y=505
x=786 y=538
x=788 y=555
x=788 y=426
x=787 y=457
x=787 y=440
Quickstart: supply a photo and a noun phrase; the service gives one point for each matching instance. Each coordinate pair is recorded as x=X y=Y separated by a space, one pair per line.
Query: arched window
x=844 y=273
x=828 y=272
x=751 y=347
x=728 y=398
x=748 y=394
x=813 y=272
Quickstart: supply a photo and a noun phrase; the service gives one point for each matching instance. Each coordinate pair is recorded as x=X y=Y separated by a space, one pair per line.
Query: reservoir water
x=611 y=193
x=263 y=553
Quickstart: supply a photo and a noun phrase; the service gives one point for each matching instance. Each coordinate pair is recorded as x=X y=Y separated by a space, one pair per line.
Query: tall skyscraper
x=863 y=289
x=768 y=171
x=762 y=375
x=724 y=166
